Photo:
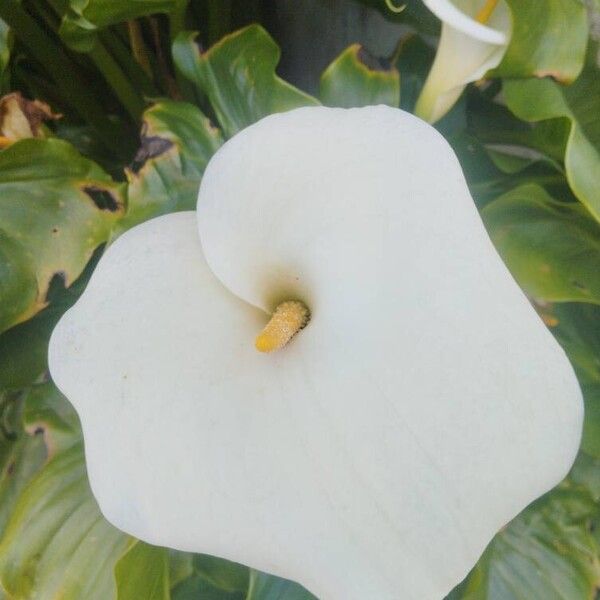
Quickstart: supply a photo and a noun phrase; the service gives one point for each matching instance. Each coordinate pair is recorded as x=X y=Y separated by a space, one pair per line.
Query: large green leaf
x=238 y=76
x=143 y=572
x=586 y=473
x=499 y=152
x=552 y=248
x=549 y=551
x=22 y=459
x=176 y=144
x=268 y=587
x=223 y=574
x=590 y=441
x=84 y=18
x=355 y=78
x=413 y=59
x=579 y=103
x=196 y=587
x=56 y=207
x=577 y=328
x=56 y=543
x=212 y=578
x=180 y=566
x=548 y=38
x=493 y=123
x=217 y=579
x=24 y=348
x=21 y=455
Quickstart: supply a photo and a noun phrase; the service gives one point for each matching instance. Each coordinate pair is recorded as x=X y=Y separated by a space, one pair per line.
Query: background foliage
x=131 y=100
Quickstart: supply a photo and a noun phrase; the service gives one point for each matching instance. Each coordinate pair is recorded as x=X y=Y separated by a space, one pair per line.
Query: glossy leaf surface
x=579 y=104
x=548 y=38
x=177 y=142
x=238 y=76
x=56 y=207
x=549 y=551
x=355 y=78
x=552 y=248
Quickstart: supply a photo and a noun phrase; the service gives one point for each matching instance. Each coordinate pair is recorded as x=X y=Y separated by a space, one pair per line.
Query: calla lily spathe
x=377 y=454
x=467 y=50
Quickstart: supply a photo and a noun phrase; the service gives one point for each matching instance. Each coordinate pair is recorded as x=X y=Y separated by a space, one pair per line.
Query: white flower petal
x=459 y=15
x=466 y=52
x=423 y=406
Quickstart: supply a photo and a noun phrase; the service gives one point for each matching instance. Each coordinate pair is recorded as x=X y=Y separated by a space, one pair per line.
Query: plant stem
x=177 y=18
x=117 y=80
x=121 y=52
x=163 y=66
x=138 y=48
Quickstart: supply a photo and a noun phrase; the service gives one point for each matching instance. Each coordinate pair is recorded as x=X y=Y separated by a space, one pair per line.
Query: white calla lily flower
x=467 y=49
x=422 y=407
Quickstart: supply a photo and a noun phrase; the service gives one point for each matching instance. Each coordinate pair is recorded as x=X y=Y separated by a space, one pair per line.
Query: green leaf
x=84 y=18
x=177 y=143
x=577 y=328
x=143 y=572
x=213 y=578
x=238 y=76
x=579 y=104
x=268 y=587
x=586 y=473
x=355 y=78
x=551 y=248
x=23 y=460
x=413 y=59
x=196 y=587
x=499 y=151
x=548 y=38
x=515 y=159
x=221 y=573
x=180 y=566
x=55 y=208
x=4 y=50
x=21 y=455
x=46 y=412
x=590 y=441
x=56 y=543
x=493 y=123
x=548 y=551
x=24 y=348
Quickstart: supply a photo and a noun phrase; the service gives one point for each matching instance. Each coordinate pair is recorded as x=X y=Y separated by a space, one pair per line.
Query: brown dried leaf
x=21 y=118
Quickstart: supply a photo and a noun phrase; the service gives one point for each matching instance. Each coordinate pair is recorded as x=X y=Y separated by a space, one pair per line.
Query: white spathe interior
x=421 y=409
x=460 y=15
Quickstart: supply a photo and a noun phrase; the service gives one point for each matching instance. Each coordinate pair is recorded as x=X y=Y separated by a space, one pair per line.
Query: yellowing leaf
x=238 y=76
x=56 y=207
x=355 y=78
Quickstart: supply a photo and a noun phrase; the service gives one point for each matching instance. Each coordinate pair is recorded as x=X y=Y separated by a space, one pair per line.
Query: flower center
x=485 y=12
x=287 y=320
